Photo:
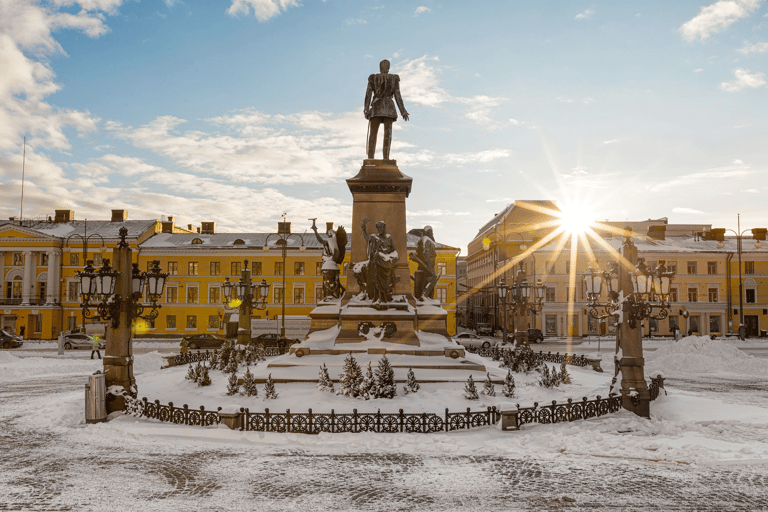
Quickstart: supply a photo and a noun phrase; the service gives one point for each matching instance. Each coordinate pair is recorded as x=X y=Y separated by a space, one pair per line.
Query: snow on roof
x=677 y=244
x=105 y=228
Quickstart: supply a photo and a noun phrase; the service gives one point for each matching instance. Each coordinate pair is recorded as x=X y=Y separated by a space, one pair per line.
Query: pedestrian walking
x=95 y=347
x=184 y=346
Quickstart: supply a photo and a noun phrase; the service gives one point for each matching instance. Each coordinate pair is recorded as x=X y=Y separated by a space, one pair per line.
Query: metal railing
x=544 y=357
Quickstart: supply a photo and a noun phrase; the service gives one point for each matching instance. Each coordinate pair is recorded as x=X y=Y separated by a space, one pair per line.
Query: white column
x=28 y=282
x=50 y=287
x=2 y=274
x=57 y=279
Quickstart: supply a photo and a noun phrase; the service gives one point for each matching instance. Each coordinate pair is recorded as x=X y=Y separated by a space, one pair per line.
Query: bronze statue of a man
x=380 y=268
x=426 y=277
x=379 y=107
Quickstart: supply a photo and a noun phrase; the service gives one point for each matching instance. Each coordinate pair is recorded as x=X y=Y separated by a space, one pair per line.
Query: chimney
x=65 y=215
x=657 y=232
x=119 y=215
x=171 y=218
x=191 y=228
x=168 y=225
x=209 y=228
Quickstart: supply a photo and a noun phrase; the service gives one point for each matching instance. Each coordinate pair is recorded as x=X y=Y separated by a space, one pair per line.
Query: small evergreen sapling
x=203 y=378
x=269 y=389
x=191 y=373
x=214 y=359
x=488 y=388
x=411 y=385
x=385 y=379
x=350 y=378
x=249 y=384
x=232 y=364
x=324 y=382
x=226 y=350
x=233 y=387
x=508 y=390
x=565 y=377
x=470 y=391
x=368 y=388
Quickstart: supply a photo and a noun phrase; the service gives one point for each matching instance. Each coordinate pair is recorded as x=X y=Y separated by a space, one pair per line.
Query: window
x=695 y=321
x=192 y=268
x=550 y=324
x=714 y=323
x=173 y=268
x=298 y=295
x=43 y=259
x=674 y=323
x=692 y=267
x=278 y=295
x=215 y=268
x=18 y=258
x=441 y=294
x=712 y=294
x=192 y=294
x=197 y=241
x=213 y=321
x=73 y=290
x=318 y=293
x=97 y=259
x=672 y=266
x=592 y=324
x=214 y=295
x=673 y=294
x=170 y=321
x=74 y=259
x=749 y=267
x=171 y=294
x=191 y=322
x=318 y=268
x=298 y=268
x=41 y=288
x=278 y=268
x=568 y=266
x=234 y=268
x=150 y=323
x=749 y=295
x=256 y=267
x=441 y=268
x=550 y=296
x=653 y=325
x=693 y=295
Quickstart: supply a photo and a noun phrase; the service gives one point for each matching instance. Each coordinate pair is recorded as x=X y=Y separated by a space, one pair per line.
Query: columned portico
x=51 y=287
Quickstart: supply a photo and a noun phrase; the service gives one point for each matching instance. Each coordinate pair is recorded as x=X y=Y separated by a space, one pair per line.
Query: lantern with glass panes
x=244 y=291
x=650 y=288
x=97 y=289
x=594 y=282
x=527 y=297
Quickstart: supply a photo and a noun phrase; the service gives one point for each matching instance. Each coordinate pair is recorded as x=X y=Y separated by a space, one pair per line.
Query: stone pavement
x=57 y=470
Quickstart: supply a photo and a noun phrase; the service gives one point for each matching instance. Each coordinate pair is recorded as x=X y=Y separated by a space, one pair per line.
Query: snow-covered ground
x=690 y=427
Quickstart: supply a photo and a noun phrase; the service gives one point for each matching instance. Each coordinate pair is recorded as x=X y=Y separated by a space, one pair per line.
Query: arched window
x=197 y=241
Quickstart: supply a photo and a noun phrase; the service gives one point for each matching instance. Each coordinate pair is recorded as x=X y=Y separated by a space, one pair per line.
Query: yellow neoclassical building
x=200 y=262
x=41 y=297
x=705 y=298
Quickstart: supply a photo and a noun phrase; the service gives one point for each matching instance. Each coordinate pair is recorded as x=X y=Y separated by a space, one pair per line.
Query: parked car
x=484 y=329
x=203 y=341
x=273 y=340
x=8 y=340
x=469 y=339
x=535 y=336
x=81 y=340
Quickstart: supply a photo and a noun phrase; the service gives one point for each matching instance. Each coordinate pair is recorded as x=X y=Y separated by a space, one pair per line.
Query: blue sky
x=239 y=110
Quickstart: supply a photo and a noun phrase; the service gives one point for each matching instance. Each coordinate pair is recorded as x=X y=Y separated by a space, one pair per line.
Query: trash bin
x=95 y=398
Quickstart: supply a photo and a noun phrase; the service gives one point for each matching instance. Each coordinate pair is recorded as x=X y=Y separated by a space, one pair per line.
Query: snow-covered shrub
x=269 y=389
x=249 y=384
x=203 y=378
x=233 y=387
x=367 y=389
x=488 y=388
x=508 y=390
x=565 y=377
x=232 y=364
x=324 y=382
x=350 y=378
x=191 y=373
x=385 y=379
x=470 y=391
x=411 y=384
x=213 y=361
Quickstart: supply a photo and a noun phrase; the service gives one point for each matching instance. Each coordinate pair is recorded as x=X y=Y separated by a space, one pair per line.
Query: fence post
x=401 y=420
x=469 y=419
x=288 y=421
x=378 y=421
x=447 y=428
x=309 y=421
x=186 y=414
x=266 y=414
x=554 y=411
x=333 y=421
x=354 y=421
x=247 y=419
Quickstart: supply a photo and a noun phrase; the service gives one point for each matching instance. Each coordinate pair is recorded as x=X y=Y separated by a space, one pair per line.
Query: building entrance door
x=751 y=323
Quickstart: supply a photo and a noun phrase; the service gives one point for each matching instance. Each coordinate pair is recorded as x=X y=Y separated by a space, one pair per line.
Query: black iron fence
x=194 y=357
x=544 y=357
x=168 y=413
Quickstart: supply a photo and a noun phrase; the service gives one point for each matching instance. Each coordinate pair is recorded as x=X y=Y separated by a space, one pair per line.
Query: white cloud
x=355 y=21
x=751 y=190
x=687 y=211
x=478 y=157
x=709 y=176
x=505 y=200
x=421 y=10
x=738 y=162
x=262 y=9
x=753 y=48
x=698 y=70
x=586 y=14
x=610 y=141
x=744 y=79
x=717 y=17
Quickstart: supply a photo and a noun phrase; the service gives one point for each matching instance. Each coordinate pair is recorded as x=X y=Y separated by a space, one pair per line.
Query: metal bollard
x=95 y=398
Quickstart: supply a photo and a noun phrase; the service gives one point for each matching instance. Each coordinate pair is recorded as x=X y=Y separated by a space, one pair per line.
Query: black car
x=273 y=340
x=203 y=341
x=8 y=340
x=535 y=336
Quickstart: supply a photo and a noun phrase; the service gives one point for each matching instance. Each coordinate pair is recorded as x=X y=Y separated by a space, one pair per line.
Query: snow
x=690 y=427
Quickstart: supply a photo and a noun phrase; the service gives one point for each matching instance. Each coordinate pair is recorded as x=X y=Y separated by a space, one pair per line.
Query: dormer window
x=239 y=241
x=197 y=241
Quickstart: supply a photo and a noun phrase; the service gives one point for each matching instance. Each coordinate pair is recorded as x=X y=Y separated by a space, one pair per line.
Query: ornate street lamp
x=758 y=234
x=249 y=296
x=502 y=289
x=525 y=298
x=283 y=235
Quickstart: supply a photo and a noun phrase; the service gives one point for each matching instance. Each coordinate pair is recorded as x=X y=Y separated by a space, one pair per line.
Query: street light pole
x=244 y=292
x=283 y=235
x=503 y=296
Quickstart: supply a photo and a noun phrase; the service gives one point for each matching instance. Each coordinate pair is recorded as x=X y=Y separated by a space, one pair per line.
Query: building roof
x=499 y=217
x=104 y=228
x=671 y=245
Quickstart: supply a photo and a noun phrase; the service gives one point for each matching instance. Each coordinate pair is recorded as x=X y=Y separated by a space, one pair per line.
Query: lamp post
x=244 y=291
x=502 y=289
x=758 y=234
x=525 y=297
x=116 y=295
x=632 y=297
x=84 y=238
x=283 y=235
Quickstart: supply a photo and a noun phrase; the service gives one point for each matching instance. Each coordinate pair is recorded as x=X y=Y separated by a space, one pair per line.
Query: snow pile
x=15 y=368
x=149 y=362
x=700 y=354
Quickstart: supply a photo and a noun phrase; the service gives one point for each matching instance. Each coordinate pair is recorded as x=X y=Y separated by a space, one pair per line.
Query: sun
x=576 y=218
